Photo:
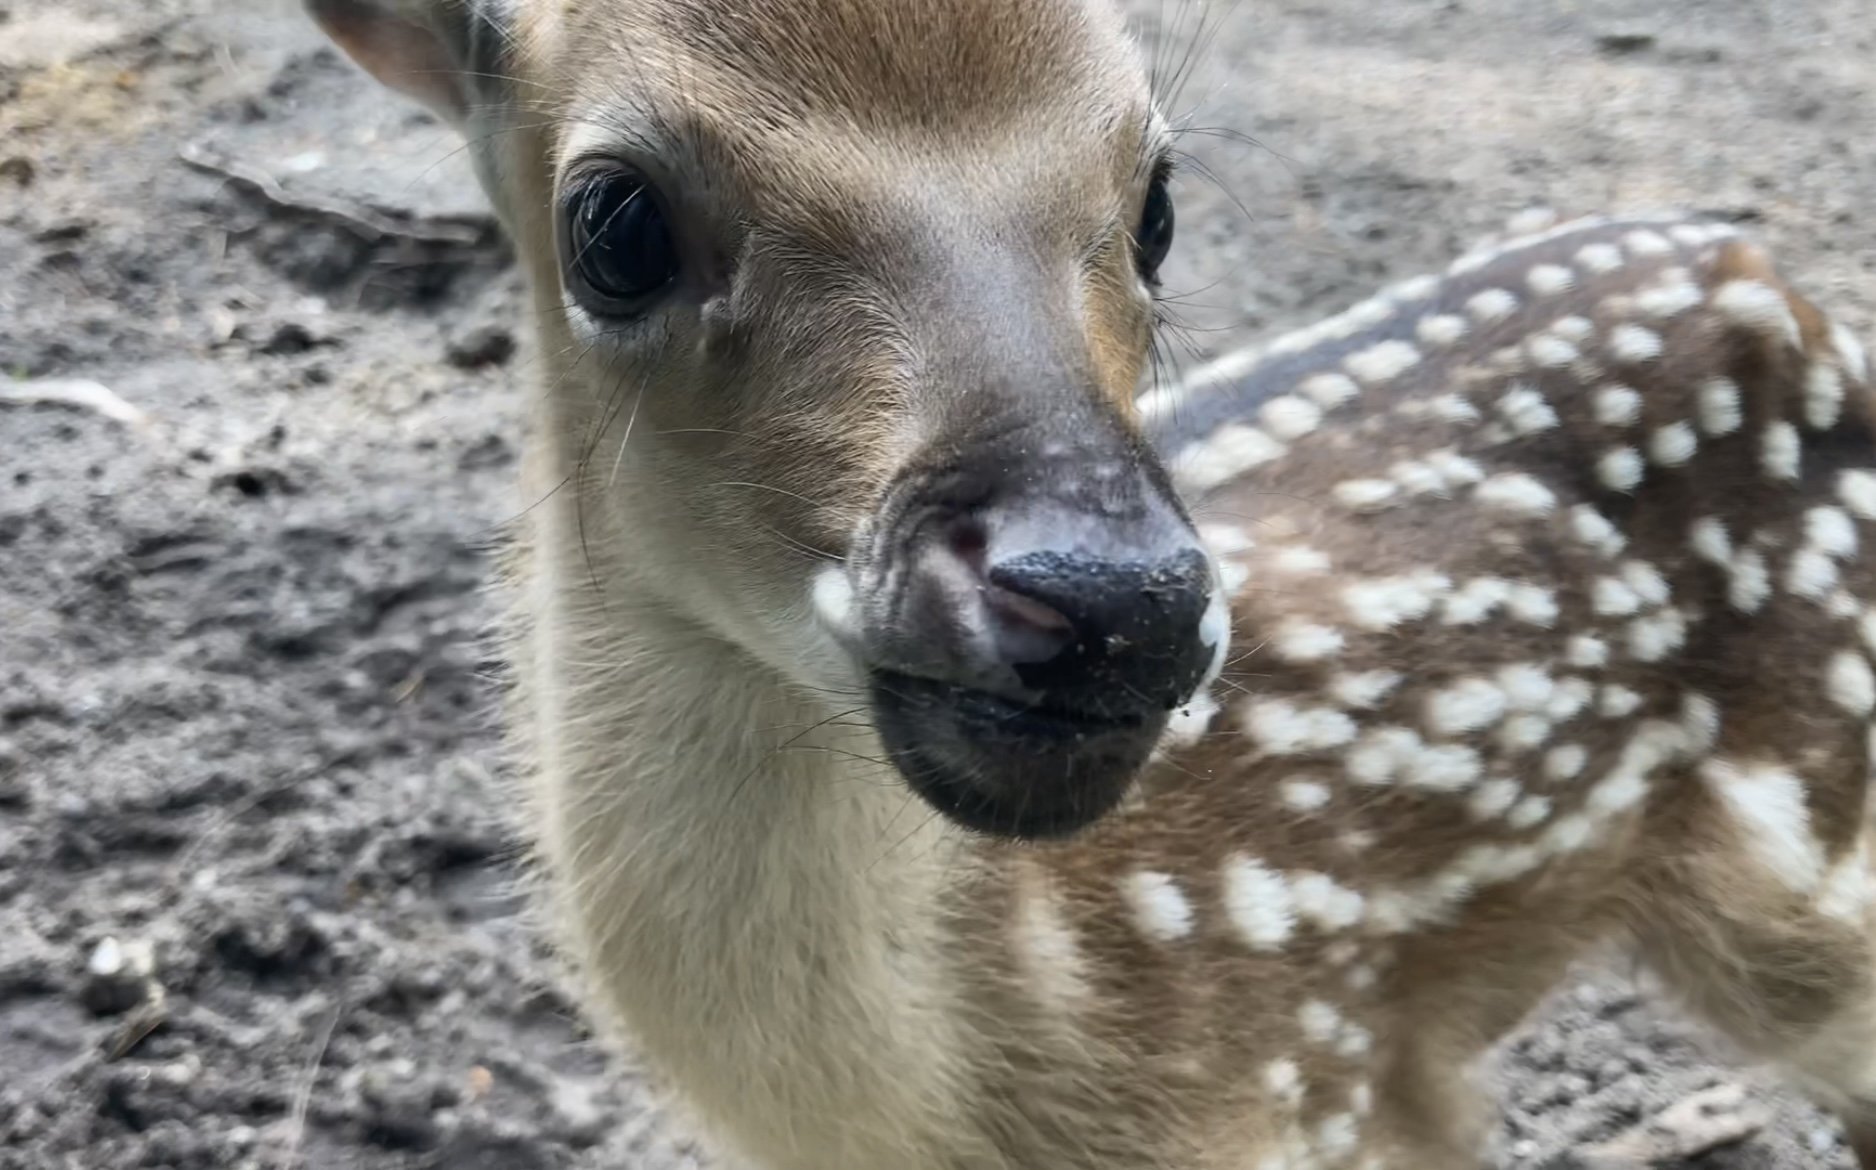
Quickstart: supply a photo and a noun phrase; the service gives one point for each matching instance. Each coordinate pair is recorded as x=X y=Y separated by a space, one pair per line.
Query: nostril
x=1027 y=631
x=968 y=541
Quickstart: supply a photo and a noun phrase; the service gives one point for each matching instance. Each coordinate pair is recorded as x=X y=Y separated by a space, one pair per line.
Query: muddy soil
x=256 y=904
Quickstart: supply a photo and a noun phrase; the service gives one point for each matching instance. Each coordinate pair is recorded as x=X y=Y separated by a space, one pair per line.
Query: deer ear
x=425 y=49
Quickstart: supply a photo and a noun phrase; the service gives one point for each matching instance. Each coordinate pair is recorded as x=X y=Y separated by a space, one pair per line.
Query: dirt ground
x=255 y=903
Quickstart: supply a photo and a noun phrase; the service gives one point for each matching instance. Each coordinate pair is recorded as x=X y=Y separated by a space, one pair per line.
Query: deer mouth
x=1009 y=768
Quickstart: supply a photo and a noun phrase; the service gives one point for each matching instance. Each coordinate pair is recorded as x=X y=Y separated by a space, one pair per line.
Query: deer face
x=845 y=303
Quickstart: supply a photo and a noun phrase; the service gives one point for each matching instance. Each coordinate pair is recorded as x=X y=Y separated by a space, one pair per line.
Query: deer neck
x=777 y=934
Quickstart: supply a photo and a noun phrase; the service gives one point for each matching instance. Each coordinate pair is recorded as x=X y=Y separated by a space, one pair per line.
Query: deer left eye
x=1154 y=237
x=619 y=247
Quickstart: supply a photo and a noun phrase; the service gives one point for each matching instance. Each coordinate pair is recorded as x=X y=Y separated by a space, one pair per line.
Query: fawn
x=891 y=778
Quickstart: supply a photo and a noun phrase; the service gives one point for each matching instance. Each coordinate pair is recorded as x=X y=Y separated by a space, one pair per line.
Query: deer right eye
x=619 y=248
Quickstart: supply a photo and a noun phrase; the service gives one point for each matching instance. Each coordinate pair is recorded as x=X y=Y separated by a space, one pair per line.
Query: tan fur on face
x=864 y=226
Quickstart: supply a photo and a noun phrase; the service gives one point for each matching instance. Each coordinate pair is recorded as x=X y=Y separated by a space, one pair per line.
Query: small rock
x=290 y=338
x=18 y=169
x=485 y=345
x=119 y=976
x=1623 y=42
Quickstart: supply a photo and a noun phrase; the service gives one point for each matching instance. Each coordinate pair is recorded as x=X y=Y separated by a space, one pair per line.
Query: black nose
x=1122 y=634
x=1041 y=602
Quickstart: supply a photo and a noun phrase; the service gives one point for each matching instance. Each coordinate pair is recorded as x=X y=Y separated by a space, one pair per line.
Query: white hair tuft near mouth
x=834 y=603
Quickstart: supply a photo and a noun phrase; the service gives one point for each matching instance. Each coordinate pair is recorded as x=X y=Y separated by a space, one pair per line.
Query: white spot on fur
x=1634 y=344
x=1329 y=391
x=1849 y=682
x=1768 y=805
x=1442 y=768
x=1320 y=900
x=1751 y=584
x=1655 y=636
x=1516 y=492
x=1857 y=490
x=1319 y=1020
x=1569 y=699
x=1226 y=454
x=1617 y=406
x=1779 y=450
x=1595 y=530
x=1587 y=652
x=1755 y=305
x=1599 y=258
x=1610 y=597
x=1720 y=410
x=1289 y=417
x=1710 y=542
x=1823 y=396
x=1363 y=690
x=1440 y=330
x=1386 y=602
x=1525 y=410
x=1306 y=795
x=1565 y=762
x=1550 y=352
x=1366 y=495
x=1284 y=1080
x=1527 y=687
x=1646 y=581
x=1160 y=909
x=1567 y=834
x=1046 y=947
x=1642 y=243
x=1617 y=702
x=1257 y=901
x=1811 y=574
x=1338 y=1135
x=1673 y=445
x=1669 y=300
x=1493 y=304
x=1620 y=470
x=1307 y=642
x=1549 y=280
x=1700 y=723
x=1533 y=604
x=1398 y=753
x=1830 y=531
x=1529 y=813
x=1523 y=733
x=1493 y=799
x=1573 y=328
x=1471 y=704
x=1382 y=362
x=1454 y=409
x=1475 y=601
x=1300 y=559
x=1855 y=359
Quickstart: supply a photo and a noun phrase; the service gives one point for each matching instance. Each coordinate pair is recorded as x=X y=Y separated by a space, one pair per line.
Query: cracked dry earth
x=255 y=902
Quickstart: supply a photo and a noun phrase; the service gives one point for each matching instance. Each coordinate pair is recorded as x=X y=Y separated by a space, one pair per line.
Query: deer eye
x=1154 y=237
x=618 y=246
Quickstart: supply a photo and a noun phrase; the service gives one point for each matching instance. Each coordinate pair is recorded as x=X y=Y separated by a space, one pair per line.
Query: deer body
x=1547 y=586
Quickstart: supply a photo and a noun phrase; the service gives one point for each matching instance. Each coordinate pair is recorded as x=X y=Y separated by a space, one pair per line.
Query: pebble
x=485 y=345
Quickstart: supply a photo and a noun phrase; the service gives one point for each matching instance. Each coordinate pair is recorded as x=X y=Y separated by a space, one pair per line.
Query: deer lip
x=1005 y=767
